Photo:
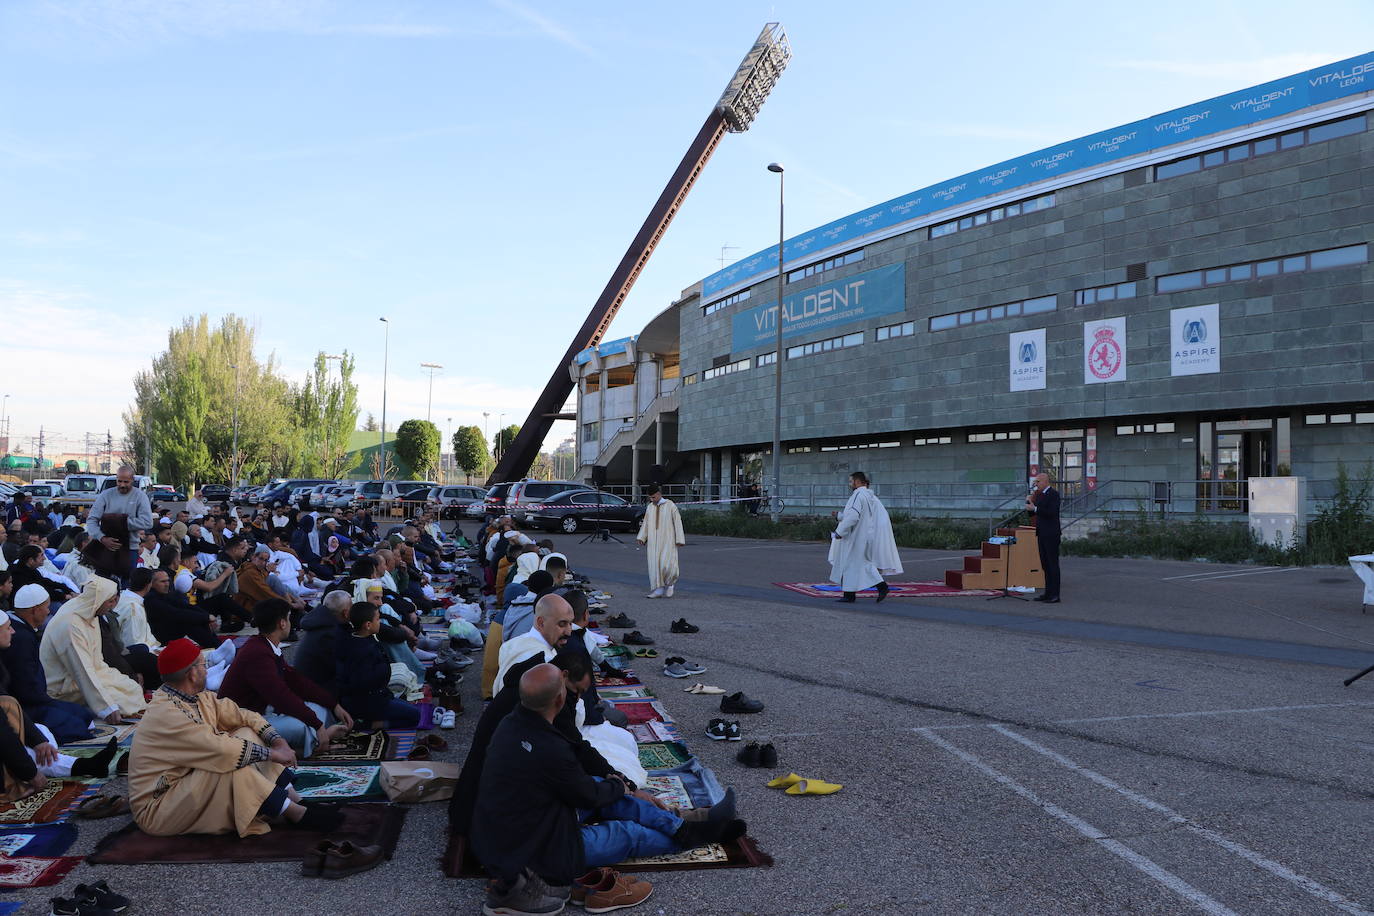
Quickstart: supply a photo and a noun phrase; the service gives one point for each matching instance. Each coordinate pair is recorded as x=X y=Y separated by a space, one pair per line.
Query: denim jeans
x=630 y=827
x=300 y=736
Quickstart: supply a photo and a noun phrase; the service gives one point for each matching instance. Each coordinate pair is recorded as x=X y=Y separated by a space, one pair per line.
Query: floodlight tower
x=734 y=112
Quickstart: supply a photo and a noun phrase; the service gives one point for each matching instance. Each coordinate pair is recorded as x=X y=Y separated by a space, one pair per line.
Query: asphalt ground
x=1172 y=738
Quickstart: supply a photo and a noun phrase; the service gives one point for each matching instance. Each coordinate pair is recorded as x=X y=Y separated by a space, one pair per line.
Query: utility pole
x=429 y=406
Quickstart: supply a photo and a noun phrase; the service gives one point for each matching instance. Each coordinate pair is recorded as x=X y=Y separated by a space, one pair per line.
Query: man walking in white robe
x=862 y=548
x=661 y=533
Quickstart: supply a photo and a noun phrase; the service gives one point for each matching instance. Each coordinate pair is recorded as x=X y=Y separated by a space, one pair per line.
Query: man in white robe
x=661 y=534
x=862 y=548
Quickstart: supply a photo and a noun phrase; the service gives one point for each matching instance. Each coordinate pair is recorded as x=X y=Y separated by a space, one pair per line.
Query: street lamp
x=386 y=358
x=775 y=501
x=4 y=412
x=500 y=425
x=430 y=404
x=486 y=437
x=234 y=458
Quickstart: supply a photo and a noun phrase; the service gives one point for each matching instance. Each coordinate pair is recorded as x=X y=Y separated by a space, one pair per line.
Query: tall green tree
x=504 y=437
x=469 y=449
x=417 y=444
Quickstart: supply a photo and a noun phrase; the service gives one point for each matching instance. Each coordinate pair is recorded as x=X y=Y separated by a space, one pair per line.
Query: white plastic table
x=1364 y=568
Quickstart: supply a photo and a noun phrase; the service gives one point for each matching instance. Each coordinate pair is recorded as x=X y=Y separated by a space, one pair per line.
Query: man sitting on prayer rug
x=28 y=681
x=540 y=813
x=72 y=657
x=202 y=764
x=552 y=625
x=260 y=679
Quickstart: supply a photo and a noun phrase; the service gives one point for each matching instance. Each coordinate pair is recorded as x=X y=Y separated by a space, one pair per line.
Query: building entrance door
x=1230 y=452
x=1063 y=455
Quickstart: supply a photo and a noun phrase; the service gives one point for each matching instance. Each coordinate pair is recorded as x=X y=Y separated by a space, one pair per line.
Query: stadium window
x=887 y=332
x=711 y=308
x=738 y=365
x=933 y=440
x=1318 y=133
x=993 y=215
x=1138 y=428
x=1000 y=435
x=824 y=346
x=1104 y=293
x=689 y=379
x=810 y=270
x=798 y=449
x=995 y=313
x=766 y=359
x=1327 y=259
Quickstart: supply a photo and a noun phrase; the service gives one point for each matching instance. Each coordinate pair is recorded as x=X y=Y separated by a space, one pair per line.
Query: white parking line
x=1148 y=866
x=1204 y=577
x=1209 y=712
x=1279 y=870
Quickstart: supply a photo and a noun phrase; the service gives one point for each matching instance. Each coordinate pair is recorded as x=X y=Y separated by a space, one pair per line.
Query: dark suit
x=1047 y=535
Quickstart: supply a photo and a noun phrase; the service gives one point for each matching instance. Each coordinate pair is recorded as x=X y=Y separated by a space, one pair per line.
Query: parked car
x=344 y=495
x=278 y=491
x=380 y=494
x=44 y=492
x=496 y=499
x=454 y=501
x=82 y=488
x=216 y=492
x=165 y=493
x=571 y=509
x=534 y=492
x=239 y=495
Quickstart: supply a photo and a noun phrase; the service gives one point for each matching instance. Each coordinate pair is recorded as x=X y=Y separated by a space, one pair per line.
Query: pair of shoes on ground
x=602 y=890
x=339 y=860
x=645 y=653
x=739 y=703
x=723 y=730
x=636 y=638
x=446 y=719
x=758 y=756
x=1047 y=599
x=676 y=666
x=90 y=900
x=665 y=592
x=619 y=622
x=682 y=626
x=703 y=689
x=793 y=784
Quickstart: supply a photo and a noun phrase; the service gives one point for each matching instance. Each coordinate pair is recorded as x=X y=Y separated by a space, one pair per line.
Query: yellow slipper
x=813 y=787
x=782 y=782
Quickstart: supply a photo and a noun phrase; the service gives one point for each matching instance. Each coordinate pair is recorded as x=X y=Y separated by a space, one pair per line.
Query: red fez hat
x=178 y=654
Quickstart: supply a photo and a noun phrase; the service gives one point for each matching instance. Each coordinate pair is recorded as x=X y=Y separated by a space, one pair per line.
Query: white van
x=82 y=488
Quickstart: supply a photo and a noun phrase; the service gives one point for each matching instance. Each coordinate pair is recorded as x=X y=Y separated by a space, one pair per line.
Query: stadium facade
x=1182 y=300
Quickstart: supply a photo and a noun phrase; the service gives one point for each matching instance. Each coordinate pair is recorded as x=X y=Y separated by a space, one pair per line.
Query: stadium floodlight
x=755 y=78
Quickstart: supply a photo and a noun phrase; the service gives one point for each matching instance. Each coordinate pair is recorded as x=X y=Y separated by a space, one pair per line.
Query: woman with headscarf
x=71 y=656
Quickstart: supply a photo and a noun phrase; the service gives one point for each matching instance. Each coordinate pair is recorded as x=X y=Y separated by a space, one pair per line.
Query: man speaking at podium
x=1043 y=503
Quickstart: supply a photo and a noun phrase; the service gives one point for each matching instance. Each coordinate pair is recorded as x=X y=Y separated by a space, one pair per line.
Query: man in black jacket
x=536 y=799
x=1043 y=502
x=171 y=616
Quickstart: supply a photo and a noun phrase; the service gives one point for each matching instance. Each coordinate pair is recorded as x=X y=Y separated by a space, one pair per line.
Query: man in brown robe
x=202 y=764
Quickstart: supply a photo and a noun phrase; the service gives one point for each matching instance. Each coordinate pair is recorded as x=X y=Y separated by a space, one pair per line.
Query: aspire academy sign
x=854 y=298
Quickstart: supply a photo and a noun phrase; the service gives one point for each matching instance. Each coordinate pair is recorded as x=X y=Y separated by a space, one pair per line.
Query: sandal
x=419 y=753
x=101 y=806
x=434 y=743
x=646 y=653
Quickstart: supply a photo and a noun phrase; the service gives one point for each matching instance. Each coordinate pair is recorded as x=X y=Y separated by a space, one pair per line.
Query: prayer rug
x=334 y=783
x=662 y=755
x=363 y=825
x=43 y=840
x=10 y=906
x=30 y=871
x=642 y=711
x=670 y=790
x=654 y=731
x=931 y=589
x=353 y=747
x=102 y=733
x=627 y=679
x=614 y=651
x=47 y=806
x=625 y=693
x=458 y=861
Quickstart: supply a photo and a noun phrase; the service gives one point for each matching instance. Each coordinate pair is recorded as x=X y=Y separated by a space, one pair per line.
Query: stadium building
x=1162 y=309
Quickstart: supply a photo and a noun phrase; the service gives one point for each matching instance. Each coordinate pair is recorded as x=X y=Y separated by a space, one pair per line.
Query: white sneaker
x=668 y=592
x=656 y=593
x=449 y=719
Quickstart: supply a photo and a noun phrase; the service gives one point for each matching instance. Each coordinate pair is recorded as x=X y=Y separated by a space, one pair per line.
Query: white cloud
x=550 y=29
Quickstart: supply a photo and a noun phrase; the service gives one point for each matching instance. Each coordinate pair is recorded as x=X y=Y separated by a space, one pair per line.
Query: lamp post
x=486 y=437
x=449 y=440
x=234 y=458
x=429 y=406
x=500 y=425
x=386 y=358
x=774 y=501
x=4 y=413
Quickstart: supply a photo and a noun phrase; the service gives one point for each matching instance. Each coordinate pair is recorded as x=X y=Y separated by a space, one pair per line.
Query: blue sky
x=474 y=170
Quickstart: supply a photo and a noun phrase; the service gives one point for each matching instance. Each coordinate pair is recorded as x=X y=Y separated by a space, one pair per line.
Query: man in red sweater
x=259 y=679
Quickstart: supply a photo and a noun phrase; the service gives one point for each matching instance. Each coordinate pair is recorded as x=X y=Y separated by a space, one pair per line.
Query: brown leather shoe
x=626 y=891
x=313 y=863
x=347 y=859
x=598 y=879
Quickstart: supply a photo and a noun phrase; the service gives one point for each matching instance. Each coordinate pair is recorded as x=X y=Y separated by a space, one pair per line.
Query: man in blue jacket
x=28 y=681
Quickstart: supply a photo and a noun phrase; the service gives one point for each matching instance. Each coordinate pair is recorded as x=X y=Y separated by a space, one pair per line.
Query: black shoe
x=62 y=906
x=636 y=638
x=768 y=757
x=1048 y=600
x=620 y=622
x=96 y=765
x=682 y=626
x=98 y=896
x=883 y=589
x=320 y=819
x=718 y=730
x=847 y=599
x=738 y=702
x=749 y=755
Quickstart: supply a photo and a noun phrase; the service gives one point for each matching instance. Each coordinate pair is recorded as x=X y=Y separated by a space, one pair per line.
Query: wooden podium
x=1002 y=565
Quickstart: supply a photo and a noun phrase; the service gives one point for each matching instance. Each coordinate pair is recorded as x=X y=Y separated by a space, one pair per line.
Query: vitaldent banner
x=854 y=298
x=1226 y=112
x=1027 y=353
x=1194 y=340
x=1104 y=351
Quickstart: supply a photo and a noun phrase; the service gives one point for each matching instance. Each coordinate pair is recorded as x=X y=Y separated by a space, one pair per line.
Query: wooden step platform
x=1002 y=565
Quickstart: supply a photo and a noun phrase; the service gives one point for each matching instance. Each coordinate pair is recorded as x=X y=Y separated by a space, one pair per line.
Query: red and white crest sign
x=1104 y=351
